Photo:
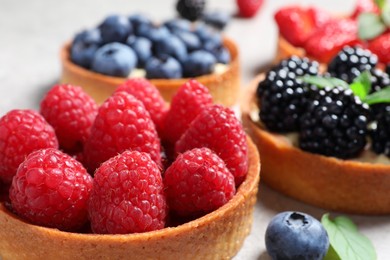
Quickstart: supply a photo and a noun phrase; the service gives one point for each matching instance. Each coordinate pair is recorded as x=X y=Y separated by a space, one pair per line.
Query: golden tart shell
x=327 y=182
x=217 y=235
x=224 y=87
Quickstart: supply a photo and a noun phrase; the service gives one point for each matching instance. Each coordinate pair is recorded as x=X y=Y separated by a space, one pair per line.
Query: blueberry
x=190 y=39
x=153 y=32
x=115 y=28
x=198 y=63
x=114 y=59
x=142 y=47
x=163 y=67
x=84 y=46
x=221 y=54
x=296 y=235
x=137 y=19
x=171 y=46
x=211 y=39
x=178 y=24
x=217 y=19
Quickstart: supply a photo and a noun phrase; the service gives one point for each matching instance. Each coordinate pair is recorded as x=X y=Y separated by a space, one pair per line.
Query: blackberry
x=282 y=97
x=334 y=124
x=388 y=68
x=379 y=80
x=350 y=62
x=381 y=134
x=191 y=9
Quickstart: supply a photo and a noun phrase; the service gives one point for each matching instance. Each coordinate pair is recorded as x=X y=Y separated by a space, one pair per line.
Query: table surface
x=32 y=33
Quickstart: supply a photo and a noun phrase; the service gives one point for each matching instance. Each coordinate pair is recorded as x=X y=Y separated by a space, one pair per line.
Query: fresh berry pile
x=176 y=48
x=322 y=35
x=108 y=171
x=334 y=113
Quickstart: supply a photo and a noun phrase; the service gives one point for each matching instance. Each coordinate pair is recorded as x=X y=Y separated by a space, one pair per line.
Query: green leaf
x=370 y=26
x=361 y=85
x=323 y=82
x=386 y=14
x=331 y=254
x=380 y=3
x=346 y=241
x=382 y=96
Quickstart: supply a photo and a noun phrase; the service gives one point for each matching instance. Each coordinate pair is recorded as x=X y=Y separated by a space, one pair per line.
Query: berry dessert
x=322 y=131
x=166 y=53
x=315 y=33
x=120 y=186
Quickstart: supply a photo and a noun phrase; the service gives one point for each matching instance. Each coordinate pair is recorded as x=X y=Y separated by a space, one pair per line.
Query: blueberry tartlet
x=323 y=131
x=167 y=53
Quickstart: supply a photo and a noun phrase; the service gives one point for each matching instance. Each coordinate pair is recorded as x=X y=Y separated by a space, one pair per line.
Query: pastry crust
x=224 y=87
x=218 y=235
x=327 y=182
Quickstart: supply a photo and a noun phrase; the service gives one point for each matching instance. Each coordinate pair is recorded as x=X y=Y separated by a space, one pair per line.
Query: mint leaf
x=370 y=26
x=361 y=85
x=322 y=82
x=331 y=254
x=386 y=14
x=382 y=96
x=380 y=3
x=345 y=239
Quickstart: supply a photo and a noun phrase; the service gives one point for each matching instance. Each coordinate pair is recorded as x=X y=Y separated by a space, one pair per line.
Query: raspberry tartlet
x=168 y=54
x=213 y=228
x=308 y=31
x=319 y=144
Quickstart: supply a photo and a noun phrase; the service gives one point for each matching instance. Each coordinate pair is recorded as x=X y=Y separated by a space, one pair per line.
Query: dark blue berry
x=84 y=46
x=114 y=59
x=171 y=46
x=217 y=19
x=137 y=19
x=142 y=47
x=191 y=40
x=296 y=235
x=178 y=24
x=199 y=63
x=221 y=54
x=115 y=28
x=191 y=9
x=163 y=67
x=153 y=32
x=210 y=38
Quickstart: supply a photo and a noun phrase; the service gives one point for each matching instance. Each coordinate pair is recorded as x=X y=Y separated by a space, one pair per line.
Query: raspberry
x=187 y=103
x=248 y=8
x=148 y=94
x=122 y=123
x=71 y=112
x=51 y=189
x=218 y=128
x=22 y=132
x=127 y=195
x=198 y=182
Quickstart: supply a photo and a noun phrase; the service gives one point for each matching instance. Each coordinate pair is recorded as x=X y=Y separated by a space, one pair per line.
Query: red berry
x=127 y=195
x=71 y=112
x=198 y=182
x=22 y=132
x=364 y=6
x=248 y=8
x=295 y=24
x=187 y=103
x=325 y=42
x=51 y=189
x=319 y=16
x=381 y=46
x=149 y=95
x=218 y=129
x=122 y=123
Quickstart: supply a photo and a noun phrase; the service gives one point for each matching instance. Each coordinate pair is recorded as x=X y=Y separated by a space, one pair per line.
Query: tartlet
x=223 y=86
x=217 y=235
x=327 y=182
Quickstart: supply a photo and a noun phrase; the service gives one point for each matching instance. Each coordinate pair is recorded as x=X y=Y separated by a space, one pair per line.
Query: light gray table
x=31 y=34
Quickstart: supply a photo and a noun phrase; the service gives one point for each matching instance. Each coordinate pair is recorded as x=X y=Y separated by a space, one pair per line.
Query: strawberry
x=327 y=41
x=364 y=6
x=248 y=8
x=319 y=16
x=295 y=24
x=380 y=46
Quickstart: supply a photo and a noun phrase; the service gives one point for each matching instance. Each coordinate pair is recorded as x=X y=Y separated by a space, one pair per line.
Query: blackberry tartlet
x=335 y=153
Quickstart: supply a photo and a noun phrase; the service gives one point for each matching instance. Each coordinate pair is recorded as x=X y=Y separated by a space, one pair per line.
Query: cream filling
x=219 y=68
x=367 y=155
